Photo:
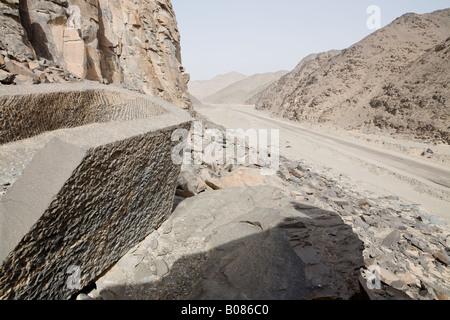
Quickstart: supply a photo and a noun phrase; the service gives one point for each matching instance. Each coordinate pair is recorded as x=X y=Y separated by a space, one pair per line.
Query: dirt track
x=381 y=170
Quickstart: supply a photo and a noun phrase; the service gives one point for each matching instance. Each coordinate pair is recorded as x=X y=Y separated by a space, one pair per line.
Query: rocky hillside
x=204 y=88
x=239 y=92
x=283 y=86
x=135 y=44
x=418 y=98
x=357 y=87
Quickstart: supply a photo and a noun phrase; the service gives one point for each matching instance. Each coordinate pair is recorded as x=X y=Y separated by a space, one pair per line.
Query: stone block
x=102 y=179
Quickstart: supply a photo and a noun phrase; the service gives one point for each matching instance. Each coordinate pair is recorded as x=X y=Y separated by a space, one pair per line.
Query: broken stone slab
x=6 y=77
x=360 y=223
x=391 y=239
x=296 y=173
x=416 y=242
x=102 y=184
x=442 y=257
x=365 y=292
x=191 y=183
x=284 y=174
x=339 y=201
x=396 y=294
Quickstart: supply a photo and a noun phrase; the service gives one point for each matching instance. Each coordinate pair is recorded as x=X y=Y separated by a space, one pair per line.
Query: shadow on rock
x=309 y=253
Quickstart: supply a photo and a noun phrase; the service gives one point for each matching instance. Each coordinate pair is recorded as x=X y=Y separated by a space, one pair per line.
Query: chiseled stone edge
x=67 y=106
x=37 y=268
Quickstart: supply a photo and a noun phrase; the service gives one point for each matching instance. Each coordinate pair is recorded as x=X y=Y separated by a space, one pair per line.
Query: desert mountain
x=282 y=87
x=417 y=100
x=387 y=80
x=204 y=88
x=239 y=92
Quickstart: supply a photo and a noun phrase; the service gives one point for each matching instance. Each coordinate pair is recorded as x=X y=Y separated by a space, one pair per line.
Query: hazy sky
x=257 y=36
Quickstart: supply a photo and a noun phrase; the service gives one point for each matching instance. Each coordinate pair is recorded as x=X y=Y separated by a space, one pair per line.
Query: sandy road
x=368 y=167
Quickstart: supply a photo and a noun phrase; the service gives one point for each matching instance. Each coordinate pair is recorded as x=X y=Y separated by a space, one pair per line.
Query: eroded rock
x=92 y=188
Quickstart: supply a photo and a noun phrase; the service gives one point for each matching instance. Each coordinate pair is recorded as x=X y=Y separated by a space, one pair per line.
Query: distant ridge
x=204 y=88
x=239 y=92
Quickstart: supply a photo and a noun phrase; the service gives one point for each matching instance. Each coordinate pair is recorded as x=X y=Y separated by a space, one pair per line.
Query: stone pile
x=31 y=71
x=410 y=247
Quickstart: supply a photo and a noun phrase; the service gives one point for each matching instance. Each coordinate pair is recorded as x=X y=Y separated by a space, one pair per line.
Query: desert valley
x=122 y=179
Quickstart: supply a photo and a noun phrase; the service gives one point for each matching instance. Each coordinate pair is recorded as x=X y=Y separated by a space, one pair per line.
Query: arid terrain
x=122 y=179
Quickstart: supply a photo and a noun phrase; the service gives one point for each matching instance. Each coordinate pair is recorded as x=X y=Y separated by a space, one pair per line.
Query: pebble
x=162 y=268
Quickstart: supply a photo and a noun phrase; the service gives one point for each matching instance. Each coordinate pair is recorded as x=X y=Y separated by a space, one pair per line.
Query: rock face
x=98 y=179
x=361 y=81
x=136 y=44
